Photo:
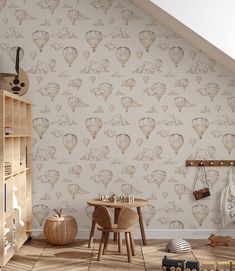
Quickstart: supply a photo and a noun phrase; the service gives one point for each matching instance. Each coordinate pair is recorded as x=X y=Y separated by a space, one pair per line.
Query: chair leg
x=119 y=242
x=101 y=246
x=106 y=241
x=128 y=246
x=132 y=244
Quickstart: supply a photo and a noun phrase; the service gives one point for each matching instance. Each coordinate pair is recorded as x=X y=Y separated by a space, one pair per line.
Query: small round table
x=138 y=203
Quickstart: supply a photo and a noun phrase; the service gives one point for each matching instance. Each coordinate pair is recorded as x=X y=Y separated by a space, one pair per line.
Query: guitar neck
x=17 y=60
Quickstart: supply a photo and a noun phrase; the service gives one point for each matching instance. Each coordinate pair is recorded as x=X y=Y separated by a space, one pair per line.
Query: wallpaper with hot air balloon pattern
x=119 y=103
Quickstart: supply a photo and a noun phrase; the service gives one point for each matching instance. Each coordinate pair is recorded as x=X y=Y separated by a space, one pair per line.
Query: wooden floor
x=38 y=255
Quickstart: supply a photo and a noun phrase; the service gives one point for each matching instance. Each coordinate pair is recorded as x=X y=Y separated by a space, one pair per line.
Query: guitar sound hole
x=16 y=89
x=16 y=81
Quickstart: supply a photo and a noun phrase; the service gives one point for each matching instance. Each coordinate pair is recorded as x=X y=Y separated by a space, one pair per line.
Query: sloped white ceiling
x=214 y=20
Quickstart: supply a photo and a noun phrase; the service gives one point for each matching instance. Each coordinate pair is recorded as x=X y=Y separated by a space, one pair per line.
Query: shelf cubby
x=15 y=174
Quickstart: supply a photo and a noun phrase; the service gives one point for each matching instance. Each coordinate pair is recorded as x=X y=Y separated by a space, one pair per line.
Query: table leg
x=116 y=215
x=92 y=231
x=141 y=226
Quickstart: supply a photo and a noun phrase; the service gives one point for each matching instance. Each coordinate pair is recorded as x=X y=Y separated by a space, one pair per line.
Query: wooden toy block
x=223 y=266
x=232 y=267
x=208 y=266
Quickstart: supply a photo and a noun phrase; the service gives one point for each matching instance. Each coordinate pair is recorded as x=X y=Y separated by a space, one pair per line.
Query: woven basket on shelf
x=60 y=230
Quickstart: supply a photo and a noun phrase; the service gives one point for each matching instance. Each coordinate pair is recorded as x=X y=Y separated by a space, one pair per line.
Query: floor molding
x=157 y=233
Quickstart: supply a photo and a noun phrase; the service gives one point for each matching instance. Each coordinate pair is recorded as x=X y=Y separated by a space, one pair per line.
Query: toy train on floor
x=182 y=265
x=179 y=265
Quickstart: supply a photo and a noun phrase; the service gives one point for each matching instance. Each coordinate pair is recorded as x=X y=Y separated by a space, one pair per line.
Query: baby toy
x=219 y=240
x=16 y=206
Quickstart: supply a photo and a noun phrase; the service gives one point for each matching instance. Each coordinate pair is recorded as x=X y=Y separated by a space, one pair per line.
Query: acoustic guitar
x=19 y=84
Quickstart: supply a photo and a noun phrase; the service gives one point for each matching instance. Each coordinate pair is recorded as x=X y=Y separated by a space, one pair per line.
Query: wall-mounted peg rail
x=210 y=163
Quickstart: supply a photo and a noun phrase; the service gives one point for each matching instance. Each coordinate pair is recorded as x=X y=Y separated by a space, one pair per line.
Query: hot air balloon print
x=49 y=4
x=128 y=102
x=229 y=142
x=52 y=90
x=123 y=54
x=70 y=141
x=104 y=90
x=94 y=38
x=176 y=142
x=183 y=83
x=147 y=38
x=40 y=38
x=12 y=54
x=40 y=125
x=75 y=189
x=149 y=211
x=123 y=141
x=70 y=54
x=200 y=212
x=157 y=176
x=130 y=83
x=76 y=170
x=128 y=189
x=52 y=177
x=74 y=15
x=22 y=15
x=75 y=102
x=157 y=89
x=231 y=103
x=128 y=15
x=93 y=125
x=40 y=212
x=147 y=125
x=176 y=225
x=179 y=189
x=212 y=177
x=210 y=90
x=103 y=4
x=181 y=102
x=104 y=176
x=176 y=55
x=200 y=126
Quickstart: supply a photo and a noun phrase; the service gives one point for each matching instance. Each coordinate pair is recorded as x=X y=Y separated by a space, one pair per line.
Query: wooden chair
x=127 y=218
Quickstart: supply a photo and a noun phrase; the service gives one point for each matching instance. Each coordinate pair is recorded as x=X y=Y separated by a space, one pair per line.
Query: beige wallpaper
x=119 y=103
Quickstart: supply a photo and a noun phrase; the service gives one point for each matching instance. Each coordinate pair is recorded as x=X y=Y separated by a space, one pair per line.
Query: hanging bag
x=204 y=192
x=227 y=201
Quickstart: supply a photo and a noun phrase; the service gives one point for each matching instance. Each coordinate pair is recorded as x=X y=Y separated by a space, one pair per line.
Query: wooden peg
x=201 y=164
x=211 y=163
x=221 y=163
x=231 y=164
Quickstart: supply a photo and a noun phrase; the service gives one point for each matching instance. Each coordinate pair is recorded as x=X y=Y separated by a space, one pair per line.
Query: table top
x=136 y=203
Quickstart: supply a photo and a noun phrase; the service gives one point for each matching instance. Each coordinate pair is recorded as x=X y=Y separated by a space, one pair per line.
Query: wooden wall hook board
x=210 y=163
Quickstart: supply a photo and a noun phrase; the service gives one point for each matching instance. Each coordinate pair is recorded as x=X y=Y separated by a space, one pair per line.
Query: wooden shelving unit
x=15 y=174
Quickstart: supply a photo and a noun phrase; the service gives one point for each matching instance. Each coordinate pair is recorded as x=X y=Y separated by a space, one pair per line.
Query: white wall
x=171 y=86
x=212 y=19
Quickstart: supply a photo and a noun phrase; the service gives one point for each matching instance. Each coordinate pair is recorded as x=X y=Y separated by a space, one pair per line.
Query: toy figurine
x=219 y=240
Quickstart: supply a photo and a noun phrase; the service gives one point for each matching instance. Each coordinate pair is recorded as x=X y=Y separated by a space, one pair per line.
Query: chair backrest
x=102 y=217
x=127 y=218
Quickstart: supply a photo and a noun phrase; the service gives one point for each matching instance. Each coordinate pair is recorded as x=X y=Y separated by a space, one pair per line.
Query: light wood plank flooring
x=38 y=255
